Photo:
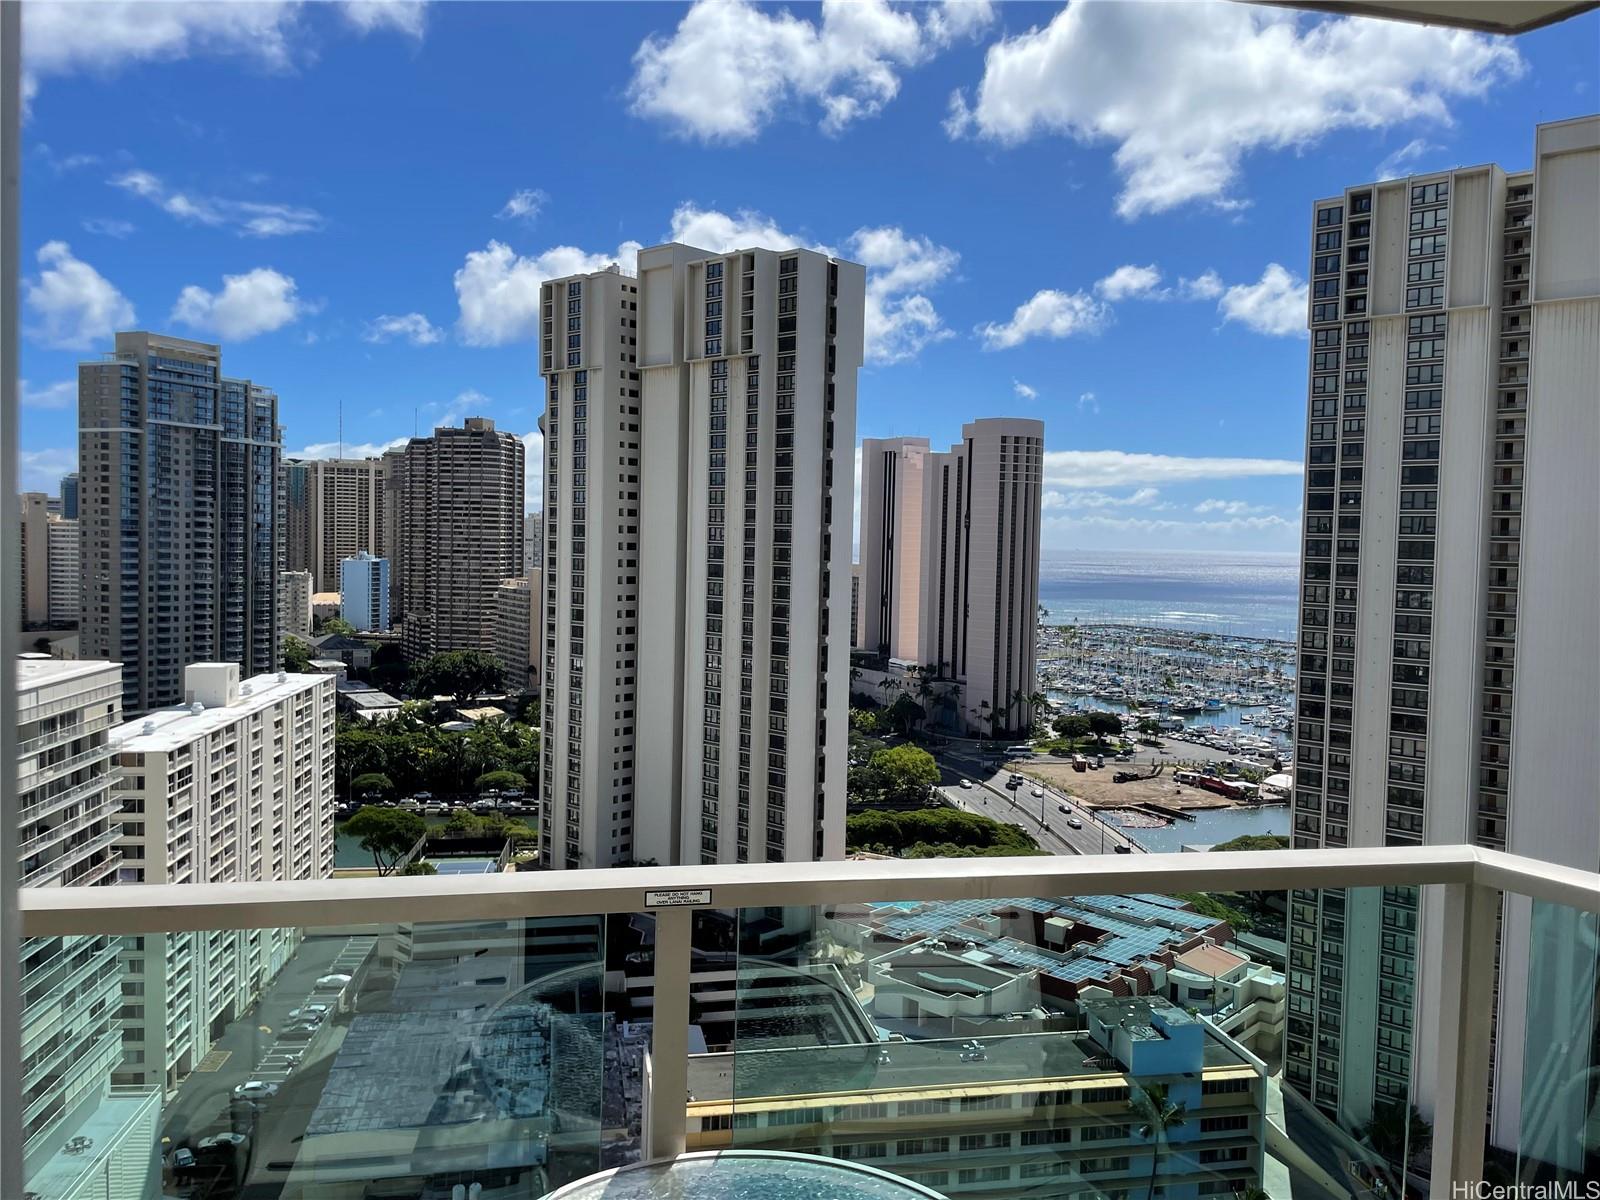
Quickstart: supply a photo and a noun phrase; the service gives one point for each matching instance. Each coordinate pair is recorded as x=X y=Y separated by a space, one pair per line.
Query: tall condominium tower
x=33 y=579
x=891 y=545
x=334 y=508
x=69 y=496
x=178 y=514
x=461 y=534
x=66 y=572
x=699 y=436
x=69 y=821
x=294 y=603
x=950 y=568
x=234 y=785
x=1450 y=657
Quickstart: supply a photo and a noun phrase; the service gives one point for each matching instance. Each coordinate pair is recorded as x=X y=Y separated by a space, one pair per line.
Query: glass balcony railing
x=1276 y=1024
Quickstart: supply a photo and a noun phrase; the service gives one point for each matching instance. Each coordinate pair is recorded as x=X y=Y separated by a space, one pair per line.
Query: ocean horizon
x=1248 y=594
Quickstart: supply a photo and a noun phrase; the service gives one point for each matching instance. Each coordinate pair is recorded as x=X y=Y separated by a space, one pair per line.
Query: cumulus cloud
x=59 y=39
x=1024 y=390
x=1129 y=281
x=1275 y=304
x=497 y=289
x=1399 y=163
x=1207 y=286
x=900 y=319
x=55 y=395
x=76 y=307
x=41 y=470
x=1048 y=314
x=732 y=67
x=1231 y=508
x=248 y=218
x=1120 y=468
x=256 y=302
x=346 y=449
x=1258 y=533
x=413 y=327
x=533 y=471
x=1185 y=91
x=1072 y=501
x=1088 y=403
x=108 y=226
x=524 y=205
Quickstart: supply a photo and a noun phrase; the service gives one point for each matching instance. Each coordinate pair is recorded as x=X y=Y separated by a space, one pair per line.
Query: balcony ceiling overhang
x=1487 y=16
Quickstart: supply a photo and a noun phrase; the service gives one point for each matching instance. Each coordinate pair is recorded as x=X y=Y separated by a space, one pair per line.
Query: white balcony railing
x=1470 y=883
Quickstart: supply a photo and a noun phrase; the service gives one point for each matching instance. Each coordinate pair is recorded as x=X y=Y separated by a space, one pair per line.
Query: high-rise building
x=950 y=568
x=461 y=527
x=179 y=514
x=394 y=535
x=364 y=592
x=1449 y=657
x=233 y=785
x=65 y=571
x=69 y=820
x=699 y=437
x=518 y=625
x=892 y=509
x=532 y=542
x=334 y=508
x=294 y=599
x=33 y=579
x=69 y=496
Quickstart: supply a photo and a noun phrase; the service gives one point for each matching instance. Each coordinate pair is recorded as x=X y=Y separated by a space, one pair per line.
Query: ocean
x=1248 y=595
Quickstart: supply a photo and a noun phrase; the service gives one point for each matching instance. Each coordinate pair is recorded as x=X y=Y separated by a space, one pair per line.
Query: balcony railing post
x=1464 y=1011
x=669 y=1033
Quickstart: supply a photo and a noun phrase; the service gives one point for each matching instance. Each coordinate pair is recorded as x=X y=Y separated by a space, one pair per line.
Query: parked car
x=221 y=1144
x=183 y=1159
x=256 y=1089
x=313 y=1014
x=332 y=983
x=300 y=1031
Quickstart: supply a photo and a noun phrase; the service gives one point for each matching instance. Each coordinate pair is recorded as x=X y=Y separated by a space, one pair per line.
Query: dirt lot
x=1095 y=789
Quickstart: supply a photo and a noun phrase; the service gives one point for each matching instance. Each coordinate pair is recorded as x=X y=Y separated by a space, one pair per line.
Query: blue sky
x=1096 y=214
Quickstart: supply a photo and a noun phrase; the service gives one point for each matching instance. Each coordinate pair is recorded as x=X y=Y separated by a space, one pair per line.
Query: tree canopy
x=935 y=833
x=1254 y=841
x=462 y=675
x=373 y=783
x=419 y=756
x=499 y=781
x=897 y=775
x=296 y=655
x=386 y=833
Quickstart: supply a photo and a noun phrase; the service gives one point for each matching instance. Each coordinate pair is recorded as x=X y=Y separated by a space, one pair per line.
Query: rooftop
x=41 y=671
x=168 y=729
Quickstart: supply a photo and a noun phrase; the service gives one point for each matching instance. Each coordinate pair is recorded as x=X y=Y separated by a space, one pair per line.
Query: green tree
x=323 y=625
x=1104 y=725
x=904 y=713
x=935 y=833
x=419 y=867
x=1254 y=841
x=1158 y=1115
x=463 y=675
x=1397 y=1131
x=499 y=781
x=386 y=833
x=373 y=783
x=1072 y=726
x=905 y=773
x=1149 y=725
x=296 y=656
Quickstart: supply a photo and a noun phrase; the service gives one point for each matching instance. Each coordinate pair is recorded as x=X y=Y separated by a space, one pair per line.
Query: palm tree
x=886 y=685
x=1158 y=1115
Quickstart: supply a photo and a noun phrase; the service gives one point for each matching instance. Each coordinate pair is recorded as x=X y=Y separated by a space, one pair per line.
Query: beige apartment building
x=949 y=570
x=33 y=580
x=179 y=514
x=294 y=598
x=699 y=436
x=460 y=533
x=519 y=624
x=334 y=509
x=1449 y=654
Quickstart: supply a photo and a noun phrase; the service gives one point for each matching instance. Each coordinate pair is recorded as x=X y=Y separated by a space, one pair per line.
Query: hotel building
x=699 y=434
x=334 y=511
x=234 y=785
x=950 y=568
x=179 y=514
x=364 y=592
x=1450 y=657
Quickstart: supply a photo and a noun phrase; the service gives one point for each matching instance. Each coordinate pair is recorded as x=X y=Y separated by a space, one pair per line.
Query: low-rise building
x=234 y=785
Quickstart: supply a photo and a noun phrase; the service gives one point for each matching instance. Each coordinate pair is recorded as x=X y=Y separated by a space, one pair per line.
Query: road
x=990 y=797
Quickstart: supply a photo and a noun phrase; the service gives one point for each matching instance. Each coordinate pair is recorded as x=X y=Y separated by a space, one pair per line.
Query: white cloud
x=256 y=302
x=524 y=205
x=108 y=226
x=1232 y=508
x=1185 y=91
x=900 y=319
x=41 y=470
x=408 y=17
x=1129 y=281
x=1072 y=501
x=248 y=218
x=731 y=67
x=1049 y=313
x=1260 y=533
x=1397 y=164
x=498 y=289
x=721 y=232
x=1275 y=304
x=346 y=449
x=1023 y=390
x=533 y=471
x=413 y=327
x=1203 y=287
x=55 y=395
x=1088 y=403
x=64 y=39
x=78 y=308
x=1120 y=468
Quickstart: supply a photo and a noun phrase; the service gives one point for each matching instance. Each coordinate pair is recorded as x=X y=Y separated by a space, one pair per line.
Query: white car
x=1038 y=793
x=967 y=783
x=332 y=983
x=1074 y=822
x=255 y=1089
